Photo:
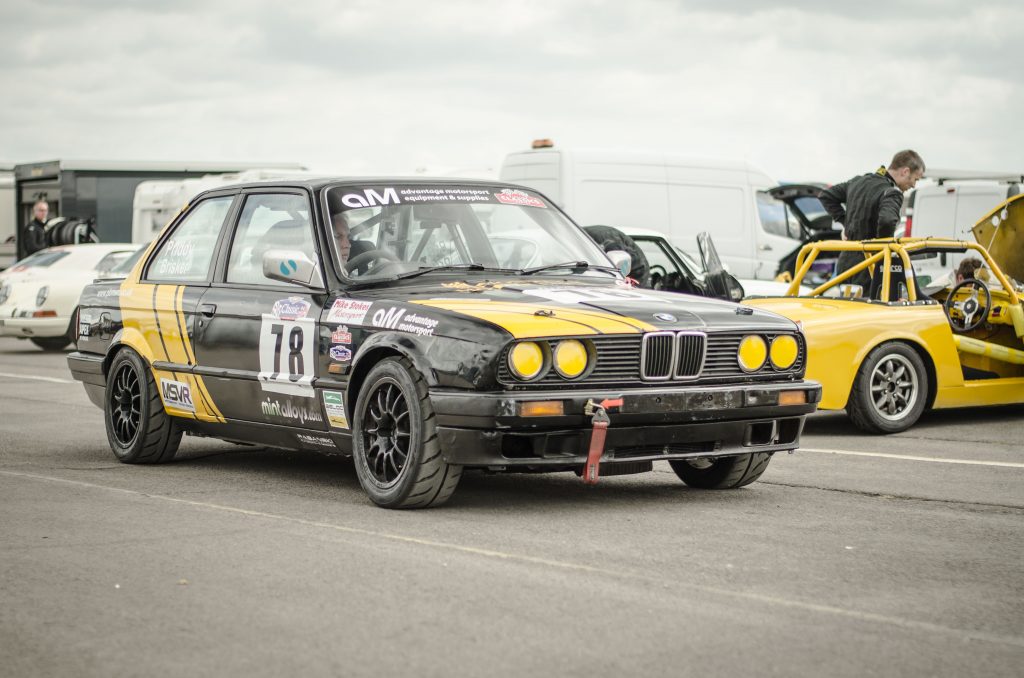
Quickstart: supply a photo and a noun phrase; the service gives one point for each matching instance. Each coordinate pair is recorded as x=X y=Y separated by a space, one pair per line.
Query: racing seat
x=288 y=234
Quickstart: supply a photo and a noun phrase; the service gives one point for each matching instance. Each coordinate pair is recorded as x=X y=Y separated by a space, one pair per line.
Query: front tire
x=721 y=473
x=138 y=429
x=890 y=391
x=397 y=453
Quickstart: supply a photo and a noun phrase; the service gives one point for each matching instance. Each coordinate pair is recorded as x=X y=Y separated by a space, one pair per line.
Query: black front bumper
x=652 y=423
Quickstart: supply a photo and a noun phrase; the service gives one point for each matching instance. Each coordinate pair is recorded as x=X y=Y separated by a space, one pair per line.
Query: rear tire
x=890 y=391
x=138 y=429
x=394 y=440
x=722 y=473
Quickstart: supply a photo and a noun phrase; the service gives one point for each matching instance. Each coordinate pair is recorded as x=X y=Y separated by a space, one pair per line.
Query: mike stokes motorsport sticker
x=348 y=311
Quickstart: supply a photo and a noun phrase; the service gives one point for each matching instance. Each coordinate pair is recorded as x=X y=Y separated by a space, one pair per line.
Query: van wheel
x=138 y=429
x=722 y=473
x=890 y=390
x=394 y=440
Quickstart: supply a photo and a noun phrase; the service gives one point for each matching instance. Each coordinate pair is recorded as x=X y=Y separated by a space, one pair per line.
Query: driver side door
x=258 y=337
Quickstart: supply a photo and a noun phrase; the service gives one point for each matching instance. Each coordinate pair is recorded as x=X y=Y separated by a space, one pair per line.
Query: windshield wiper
x=450 y=267
x=574 y=266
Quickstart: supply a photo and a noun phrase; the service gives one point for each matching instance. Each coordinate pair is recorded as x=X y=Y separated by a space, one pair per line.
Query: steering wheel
x=361 y=260
x=974 y=313
x=657 y=276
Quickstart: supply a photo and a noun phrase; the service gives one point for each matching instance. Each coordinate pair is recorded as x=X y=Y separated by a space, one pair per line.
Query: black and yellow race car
x=426 y=327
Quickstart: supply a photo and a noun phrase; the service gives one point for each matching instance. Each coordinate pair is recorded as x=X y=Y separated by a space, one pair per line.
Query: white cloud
x=806 y=91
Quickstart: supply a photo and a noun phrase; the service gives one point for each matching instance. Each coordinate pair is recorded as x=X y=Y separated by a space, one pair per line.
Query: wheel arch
x=372 y=355
x=922 y=352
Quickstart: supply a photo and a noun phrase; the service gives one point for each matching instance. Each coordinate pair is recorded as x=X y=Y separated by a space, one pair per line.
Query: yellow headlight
x=526 y=359
x=570 y=358
x=784 y=351
x=752 y=353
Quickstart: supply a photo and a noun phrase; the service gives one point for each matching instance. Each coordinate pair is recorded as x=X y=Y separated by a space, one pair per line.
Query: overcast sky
x=806 y=90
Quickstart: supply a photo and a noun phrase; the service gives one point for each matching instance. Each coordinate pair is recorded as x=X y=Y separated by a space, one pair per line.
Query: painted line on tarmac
x=54 y=380
x=747 y=596
x=910 y=457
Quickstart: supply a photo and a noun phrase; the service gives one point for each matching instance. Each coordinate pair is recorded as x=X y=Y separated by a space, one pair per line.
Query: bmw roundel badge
x=665 y=317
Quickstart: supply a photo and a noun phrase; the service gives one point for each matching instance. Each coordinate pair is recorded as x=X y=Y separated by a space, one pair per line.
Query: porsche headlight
x=784 y=351
x=752 y=353
x=570 y=358
x=41 y=295
x=526 y=360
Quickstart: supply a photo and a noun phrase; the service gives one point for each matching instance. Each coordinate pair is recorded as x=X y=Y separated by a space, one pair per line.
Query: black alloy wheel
x=125 y=405
x=395 y=446
x=139 y=430
x=385 y=432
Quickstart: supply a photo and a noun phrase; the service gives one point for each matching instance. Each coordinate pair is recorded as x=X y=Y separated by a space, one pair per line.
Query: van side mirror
x=621 y=260
x=291 y=266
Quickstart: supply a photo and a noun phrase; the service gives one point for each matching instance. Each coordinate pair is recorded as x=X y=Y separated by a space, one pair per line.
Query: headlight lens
x=5 y=291
x=784 y=351
x=570 y=358
x=526 y=360
x=752 y=353
x=41 y=295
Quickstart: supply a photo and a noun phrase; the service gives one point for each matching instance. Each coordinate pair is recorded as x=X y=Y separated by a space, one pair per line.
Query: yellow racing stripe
x=522 y=321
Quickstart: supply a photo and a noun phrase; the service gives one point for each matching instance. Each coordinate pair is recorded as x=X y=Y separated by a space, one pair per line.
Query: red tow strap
x=600 y=421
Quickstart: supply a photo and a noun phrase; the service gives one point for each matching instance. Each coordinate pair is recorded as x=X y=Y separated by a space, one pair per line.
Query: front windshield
x=382 y=232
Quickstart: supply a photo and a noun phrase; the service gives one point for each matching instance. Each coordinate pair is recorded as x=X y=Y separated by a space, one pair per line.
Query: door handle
x=765 y=248
x=207 y=310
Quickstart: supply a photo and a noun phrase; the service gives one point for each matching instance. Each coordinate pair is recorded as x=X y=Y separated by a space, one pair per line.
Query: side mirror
x=621 y=260
x=291 y=266
x=736 y=291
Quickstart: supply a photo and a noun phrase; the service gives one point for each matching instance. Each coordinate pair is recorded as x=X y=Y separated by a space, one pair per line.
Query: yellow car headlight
x=526 y=360
x=784 y=351
x=570 y=358
x=752 y=353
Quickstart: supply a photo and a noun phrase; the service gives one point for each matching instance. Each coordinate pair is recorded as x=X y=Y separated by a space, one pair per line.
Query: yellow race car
x=905 y=344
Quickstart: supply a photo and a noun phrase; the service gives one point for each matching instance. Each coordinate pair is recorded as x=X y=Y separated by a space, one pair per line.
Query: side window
x=186 y=255
x=269 y=221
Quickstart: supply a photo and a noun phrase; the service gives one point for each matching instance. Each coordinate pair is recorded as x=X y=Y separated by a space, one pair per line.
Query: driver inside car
x=348 y=249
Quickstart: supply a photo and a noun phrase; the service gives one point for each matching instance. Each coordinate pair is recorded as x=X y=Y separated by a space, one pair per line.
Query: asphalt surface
x=857 y=556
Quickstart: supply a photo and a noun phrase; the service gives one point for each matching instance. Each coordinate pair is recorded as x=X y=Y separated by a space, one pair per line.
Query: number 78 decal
x=287 y=355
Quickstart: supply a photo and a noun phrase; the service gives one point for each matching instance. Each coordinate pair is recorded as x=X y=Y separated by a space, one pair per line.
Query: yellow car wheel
x=890 y=390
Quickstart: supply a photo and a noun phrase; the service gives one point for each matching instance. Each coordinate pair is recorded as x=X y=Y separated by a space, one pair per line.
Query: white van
x=677 y=195
x=950 y=206
x=157 y=201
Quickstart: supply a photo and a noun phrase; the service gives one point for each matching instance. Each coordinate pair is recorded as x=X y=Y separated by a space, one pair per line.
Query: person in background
x=33 y=238
x=868 y=206
x=967 y=269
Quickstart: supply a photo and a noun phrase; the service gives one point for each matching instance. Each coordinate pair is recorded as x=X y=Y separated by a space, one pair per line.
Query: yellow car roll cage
x=882 y=251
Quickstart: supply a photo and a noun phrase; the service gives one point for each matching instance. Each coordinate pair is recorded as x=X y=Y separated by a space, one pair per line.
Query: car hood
x=546 y=308
x=1001 y=232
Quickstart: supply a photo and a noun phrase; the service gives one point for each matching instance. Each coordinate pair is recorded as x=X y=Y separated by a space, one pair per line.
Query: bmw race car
x=395 y=321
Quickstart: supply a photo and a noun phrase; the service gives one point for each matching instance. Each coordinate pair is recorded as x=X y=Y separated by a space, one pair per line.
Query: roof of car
x=315 y=183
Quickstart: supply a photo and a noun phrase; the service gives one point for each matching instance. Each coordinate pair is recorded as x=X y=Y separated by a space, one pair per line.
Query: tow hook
x=599 y=419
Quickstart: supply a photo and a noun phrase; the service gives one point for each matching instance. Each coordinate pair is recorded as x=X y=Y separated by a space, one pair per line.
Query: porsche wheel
x=397 y=454
x=722 y=473
x=138 y=429
x=890 y=391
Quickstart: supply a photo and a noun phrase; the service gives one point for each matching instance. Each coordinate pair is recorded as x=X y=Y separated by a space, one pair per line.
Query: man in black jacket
x=868 y=206
x=33 y=238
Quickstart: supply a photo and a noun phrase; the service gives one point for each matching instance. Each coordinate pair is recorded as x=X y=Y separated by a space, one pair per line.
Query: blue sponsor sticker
x=341 y=353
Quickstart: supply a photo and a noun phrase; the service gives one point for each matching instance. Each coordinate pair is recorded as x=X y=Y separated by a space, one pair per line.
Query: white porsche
x=39 y=294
